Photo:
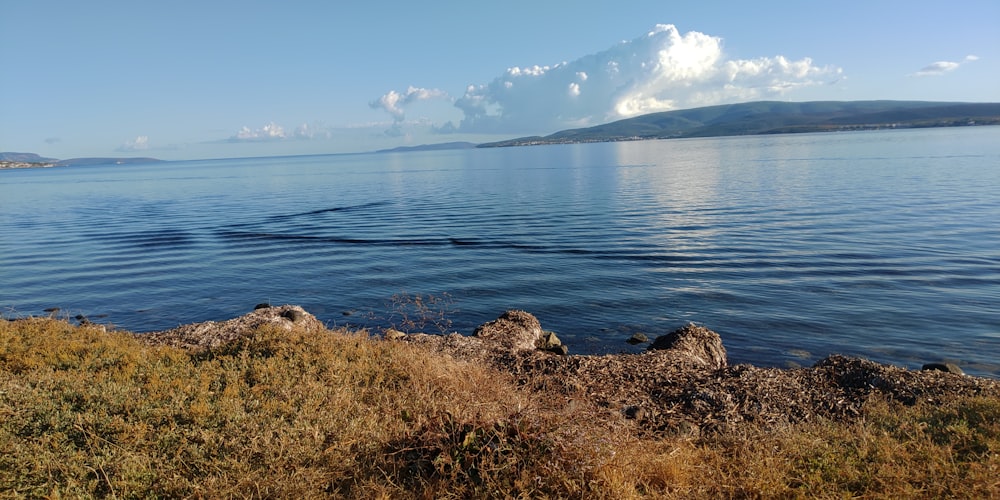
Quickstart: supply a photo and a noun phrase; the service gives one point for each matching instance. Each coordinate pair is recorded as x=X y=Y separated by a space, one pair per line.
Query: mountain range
x=774 y=117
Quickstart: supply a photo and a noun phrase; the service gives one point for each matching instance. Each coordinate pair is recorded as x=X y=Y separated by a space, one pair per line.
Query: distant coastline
x=774 y=117
x=5 y=164
x=32 y=160
x=751 y=118
x=430 y=147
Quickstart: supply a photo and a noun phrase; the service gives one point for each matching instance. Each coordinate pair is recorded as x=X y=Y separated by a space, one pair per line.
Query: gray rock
x=294 y=315
x=211 y=334
x=944 y=367
x=560 y=349
x=696 y=343
x=393 y=334
x=514 y=330
x=638 y=338
x=548 y=340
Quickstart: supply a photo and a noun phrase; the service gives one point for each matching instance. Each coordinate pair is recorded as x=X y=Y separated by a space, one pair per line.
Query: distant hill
x=25 y=157
x=772 y=117
x=430 y=147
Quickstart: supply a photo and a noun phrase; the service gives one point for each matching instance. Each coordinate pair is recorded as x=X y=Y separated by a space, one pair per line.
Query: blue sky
x=210 y=79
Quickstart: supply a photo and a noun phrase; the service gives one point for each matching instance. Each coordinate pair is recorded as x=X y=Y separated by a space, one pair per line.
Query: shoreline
x=636 y=341
x=682 y=380
x=273 y=403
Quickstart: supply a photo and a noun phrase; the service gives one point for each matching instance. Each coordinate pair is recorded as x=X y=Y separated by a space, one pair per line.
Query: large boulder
x=513 y=330
x=695 y=343
x=211 y=334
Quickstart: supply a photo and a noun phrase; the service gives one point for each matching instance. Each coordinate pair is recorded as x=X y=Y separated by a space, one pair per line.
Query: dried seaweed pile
x=682 y=384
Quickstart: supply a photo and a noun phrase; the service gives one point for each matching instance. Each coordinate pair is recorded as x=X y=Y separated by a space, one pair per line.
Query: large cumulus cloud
x=661 y=70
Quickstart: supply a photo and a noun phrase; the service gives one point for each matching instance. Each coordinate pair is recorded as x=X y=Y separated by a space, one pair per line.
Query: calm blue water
x=792 y=247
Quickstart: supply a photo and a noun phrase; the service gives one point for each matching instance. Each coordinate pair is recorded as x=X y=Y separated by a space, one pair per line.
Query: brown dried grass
x=336 y=413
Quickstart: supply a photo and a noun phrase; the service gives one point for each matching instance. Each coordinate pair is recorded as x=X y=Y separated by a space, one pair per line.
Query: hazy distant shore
x=8 y=163
x=24 y=164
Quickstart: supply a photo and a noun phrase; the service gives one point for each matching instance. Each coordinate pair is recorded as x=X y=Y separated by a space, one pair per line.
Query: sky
x=219 y=79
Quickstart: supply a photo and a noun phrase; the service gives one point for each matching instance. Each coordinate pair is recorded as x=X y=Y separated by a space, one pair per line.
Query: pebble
x=294 y=315
x=638 y=338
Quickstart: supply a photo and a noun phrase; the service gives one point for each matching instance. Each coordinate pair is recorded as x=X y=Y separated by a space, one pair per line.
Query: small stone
x=548 y=340
x=944 y=367
x=634 y=412
x=51 y=309
x=294 y=315
x=559 y=349
x=393 y=334
x=262 y=305
x=638 y=338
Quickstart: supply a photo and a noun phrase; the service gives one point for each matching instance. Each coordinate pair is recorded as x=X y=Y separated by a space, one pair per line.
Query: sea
x=880 y=244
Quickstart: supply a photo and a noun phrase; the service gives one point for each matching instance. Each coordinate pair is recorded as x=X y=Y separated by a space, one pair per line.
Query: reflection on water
x=883 y=244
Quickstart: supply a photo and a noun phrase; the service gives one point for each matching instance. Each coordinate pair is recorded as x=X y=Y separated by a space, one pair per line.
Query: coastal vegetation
x=299 y=411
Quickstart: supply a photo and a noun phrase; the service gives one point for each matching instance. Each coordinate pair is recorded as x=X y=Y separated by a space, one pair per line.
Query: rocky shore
x=682 y=382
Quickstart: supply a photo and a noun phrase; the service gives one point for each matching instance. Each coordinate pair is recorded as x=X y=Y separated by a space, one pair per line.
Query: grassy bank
x=335 y=413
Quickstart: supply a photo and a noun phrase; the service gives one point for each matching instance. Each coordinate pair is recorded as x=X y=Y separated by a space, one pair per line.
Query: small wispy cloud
x=52 y=140
x=309 y=132
x=140 y=143
x=273 y=132
x=941 y=67
x=269 y=132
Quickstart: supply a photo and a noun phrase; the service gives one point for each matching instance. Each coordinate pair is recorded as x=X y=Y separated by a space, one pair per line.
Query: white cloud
x=941 y=67
x=314 y=131
x=395 y=102
x=269 y=132
x=272 y=132
x=140 y=143
x=659 y=71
